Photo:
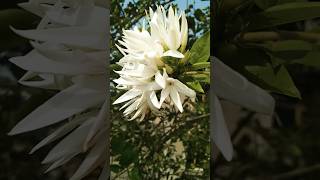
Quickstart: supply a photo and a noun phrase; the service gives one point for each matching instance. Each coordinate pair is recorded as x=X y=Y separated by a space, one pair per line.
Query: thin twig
x=297 y=172
x=277 y=36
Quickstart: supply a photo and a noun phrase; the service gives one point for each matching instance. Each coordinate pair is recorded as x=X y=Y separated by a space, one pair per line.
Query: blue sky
x=183 y=3
x=198 y=3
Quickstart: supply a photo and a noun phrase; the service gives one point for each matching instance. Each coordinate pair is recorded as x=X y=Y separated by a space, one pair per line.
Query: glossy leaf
x=284 y=14
x=201 y=65
x=196 y=86
x=200 y=51
x=278 y=81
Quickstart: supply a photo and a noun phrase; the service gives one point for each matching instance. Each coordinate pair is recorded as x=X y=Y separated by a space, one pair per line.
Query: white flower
x=168 y=30
x=69 y=55
x=143 y=52
x=173 y=88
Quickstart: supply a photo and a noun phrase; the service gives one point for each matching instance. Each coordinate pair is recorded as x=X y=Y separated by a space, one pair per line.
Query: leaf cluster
x=264 y=39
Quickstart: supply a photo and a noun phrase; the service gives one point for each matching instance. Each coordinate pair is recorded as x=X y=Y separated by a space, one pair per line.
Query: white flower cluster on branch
x=69 y=55
x=144 y=74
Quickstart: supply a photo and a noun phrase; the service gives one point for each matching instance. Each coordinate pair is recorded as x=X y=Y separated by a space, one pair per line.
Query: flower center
x=170 y=82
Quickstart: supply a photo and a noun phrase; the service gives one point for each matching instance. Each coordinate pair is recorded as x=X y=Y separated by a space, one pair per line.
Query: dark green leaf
x=134 y=174
x=278 y=81
x=288 y=45
x=264 y=4
x=200 y=51
x=284 y=14
x=311 y=59
x=196 y=86
x=201 y=65
x=205 y=78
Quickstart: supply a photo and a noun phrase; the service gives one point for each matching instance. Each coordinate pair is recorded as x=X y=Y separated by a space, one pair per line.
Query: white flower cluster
x=144 y=74
x=69 y=55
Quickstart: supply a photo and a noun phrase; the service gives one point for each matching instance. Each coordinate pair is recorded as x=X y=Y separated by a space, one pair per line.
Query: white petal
x=31 y=7
x=100 y=121
x=63 y=16
x=96 y=156
x=164 y=95
x=160 y=80
x=128 y=96
x=71 y=144
x=176 y=98
x=127 y=103
x=184 y=32
x=60 y=162
x=86 y=37
x=105 y=173
x=132 y=107
x=48 y=81
x=232 y=86
x=36 y=62
x=182 y=88
x=138 y=113
x=173 y=53
x=68 y=102
x=220 y=133
x=154 y=100
x=65 y=129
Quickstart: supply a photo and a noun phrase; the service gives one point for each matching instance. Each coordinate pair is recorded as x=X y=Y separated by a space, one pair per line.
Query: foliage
x=268 y=41
x=262 y=39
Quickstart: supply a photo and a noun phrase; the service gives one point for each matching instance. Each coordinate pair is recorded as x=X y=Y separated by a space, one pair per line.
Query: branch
x=297 y=172
x=277 y=36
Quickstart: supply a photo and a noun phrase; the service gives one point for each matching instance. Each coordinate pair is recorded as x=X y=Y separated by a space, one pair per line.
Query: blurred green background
x=275 y=44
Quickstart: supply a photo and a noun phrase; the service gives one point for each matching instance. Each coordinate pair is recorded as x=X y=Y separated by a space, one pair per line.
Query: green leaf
x=200 y=65
x=205 y=78
x=264 y=4
x=126 y=151
x=196 y=86
x=311 y=59
x=293 y=52
x=115 y=168
x=284 y=52
x=278 y=81
x=288 y=45
x=200 y=51
x=284 y=14
x=199 y=15
x=134 y=174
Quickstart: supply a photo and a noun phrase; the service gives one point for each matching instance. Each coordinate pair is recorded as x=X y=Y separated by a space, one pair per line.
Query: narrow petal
x=36 y=62
x=68 y=102
x=160 y=80
x=173 y=53
x=105 y=173
x=220 y=133
x=232 y=86
x=182 y=88
x=154 y=100
x=62 y=131
x=184 y=32
x=176 y=98
x=86 y=37
x=99 y=121
x=164 y=95
x=128 y=96
x=95 y=157
x=71 y=144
